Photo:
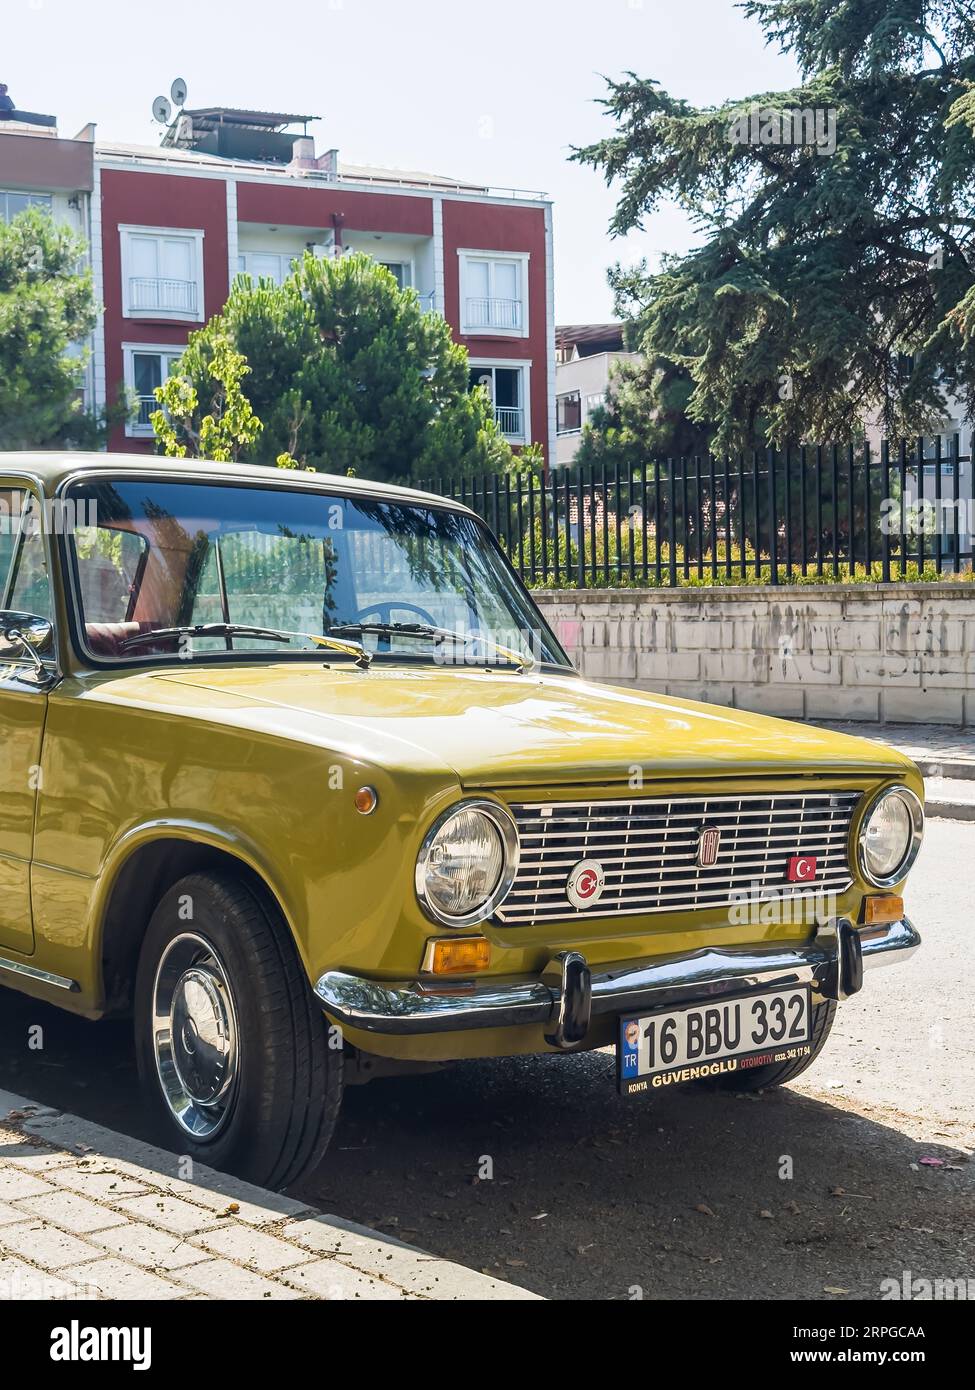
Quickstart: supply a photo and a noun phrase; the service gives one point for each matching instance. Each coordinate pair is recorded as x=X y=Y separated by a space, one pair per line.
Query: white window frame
x=408 y=265
x=133 y=430
x=289 y=256
x=525 y=367
x=192 y=234
x=522 y=259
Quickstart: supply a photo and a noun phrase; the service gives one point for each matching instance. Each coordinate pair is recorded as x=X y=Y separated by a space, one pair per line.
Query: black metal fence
x=811 y=514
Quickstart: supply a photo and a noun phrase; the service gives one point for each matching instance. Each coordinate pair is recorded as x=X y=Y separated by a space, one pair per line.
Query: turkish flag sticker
x=802 y=868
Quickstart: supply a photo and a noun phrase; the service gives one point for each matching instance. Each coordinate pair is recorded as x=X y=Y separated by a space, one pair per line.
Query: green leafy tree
x=227 y=429
x=828 y=281
x=46 y=310
x=345 y=372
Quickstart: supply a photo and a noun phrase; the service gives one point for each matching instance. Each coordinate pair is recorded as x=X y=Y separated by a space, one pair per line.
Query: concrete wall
x=894 y=653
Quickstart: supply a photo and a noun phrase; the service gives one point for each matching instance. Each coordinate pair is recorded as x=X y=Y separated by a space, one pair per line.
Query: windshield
x=163 y=562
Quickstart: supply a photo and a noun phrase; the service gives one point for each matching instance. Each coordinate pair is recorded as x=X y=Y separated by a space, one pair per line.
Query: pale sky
x=495 y=94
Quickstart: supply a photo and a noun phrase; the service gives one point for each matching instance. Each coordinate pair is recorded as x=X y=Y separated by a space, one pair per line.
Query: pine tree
x=835 y=273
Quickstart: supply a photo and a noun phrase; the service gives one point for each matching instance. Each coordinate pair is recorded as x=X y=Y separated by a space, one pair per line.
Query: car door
x=26 y=588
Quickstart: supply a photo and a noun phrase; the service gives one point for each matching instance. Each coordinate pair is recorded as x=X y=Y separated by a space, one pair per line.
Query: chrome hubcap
x=195 y=1035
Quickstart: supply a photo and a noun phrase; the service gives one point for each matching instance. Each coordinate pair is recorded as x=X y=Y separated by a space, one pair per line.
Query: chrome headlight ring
x=916 y=813
x=504 y=826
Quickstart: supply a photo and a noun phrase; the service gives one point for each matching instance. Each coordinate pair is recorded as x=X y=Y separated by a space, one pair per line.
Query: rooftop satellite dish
x=162 y=110
x=178 y=92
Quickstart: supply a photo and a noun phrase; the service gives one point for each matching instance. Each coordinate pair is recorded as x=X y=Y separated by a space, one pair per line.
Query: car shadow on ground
x=692 y=1194
x=534 y=1170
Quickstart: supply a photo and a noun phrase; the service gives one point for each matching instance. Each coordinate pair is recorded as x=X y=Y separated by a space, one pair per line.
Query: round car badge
x=585 y=883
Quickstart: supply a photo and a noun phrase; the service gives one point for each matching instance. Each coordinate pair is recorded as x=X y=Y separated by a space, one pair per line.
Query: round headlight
x=467 y=863
x=890 y=836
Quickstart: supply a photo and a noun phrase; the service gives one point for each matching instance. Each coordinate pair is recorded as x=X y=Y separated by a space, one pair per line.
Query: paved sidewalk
x=939 y=750
x=944 y=754
x=88 y=1213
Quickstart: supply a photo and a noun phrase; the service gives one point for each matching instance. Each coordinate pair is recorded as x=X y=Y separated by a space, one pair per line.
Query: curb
x=961 y=770
x=88 y=1213
x=950 y=810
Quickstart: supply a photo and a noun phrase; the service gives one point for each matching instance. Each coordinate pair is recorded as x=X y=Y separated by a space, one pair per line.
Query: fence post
x=920 y=509
x=803 y=519
x=581 y=530
x=819 y=511
x=867 y=510
x=849 y=509
x=672 y=557
x=903 y=482
x=756 y=502
x=788 y=511
x=938 y=556
x=773 y=520
x=885 y=514
x=727 y=516
x=956 y=497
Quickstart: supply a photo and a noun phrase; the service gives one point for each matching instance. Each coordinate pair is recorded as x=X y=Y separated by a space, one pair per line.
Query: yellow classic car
x=296 y=774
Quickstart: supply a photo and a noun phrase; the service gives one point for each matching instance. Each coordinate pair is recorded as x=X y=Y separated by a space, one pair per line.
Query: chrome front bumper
x=569 y=994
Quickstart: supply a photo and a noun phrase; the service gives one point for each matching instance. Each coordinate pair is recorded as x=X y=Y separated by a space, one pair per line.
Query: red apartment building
x=232 y=191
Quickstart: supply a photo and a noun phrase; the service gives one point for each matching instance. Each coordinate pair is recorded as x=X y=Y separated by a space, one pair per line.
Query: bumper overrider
x=569 y=993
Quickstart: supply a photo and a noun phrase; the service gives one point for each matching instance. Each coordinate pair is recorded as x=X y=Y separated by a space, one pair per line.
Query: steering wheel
x=383 y=612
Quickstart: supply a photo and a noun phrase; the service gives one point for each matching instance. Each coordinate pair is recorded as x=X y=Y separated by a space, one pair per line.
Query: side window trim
x=30 y=495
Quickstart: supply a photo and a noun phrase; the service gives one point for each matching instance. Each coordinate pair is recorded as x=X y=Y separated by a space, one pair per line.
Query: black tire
x=283 y=1105
x=778 y=1073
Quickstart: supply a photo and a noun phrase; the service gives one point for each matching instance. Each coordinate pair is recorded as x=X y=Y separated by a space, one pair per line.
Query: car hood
x=500 y=729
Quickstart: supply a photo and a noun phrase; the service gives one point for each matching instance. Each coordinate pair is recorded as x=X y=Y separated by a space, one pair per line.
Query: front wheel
x=232 y=1052
x=778 y=1073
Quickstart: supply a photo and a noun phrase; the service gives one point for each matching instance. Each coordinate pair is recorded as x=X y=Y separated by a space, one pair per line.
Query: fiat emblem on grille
x=585 y=883
x=708 y=845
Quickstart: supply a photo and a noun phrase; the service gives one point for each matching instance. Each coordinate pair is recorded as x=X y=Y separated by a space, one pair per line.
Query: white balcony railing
x=147 y=405
x=494 y=313
x=147 y=294
x=511 y=421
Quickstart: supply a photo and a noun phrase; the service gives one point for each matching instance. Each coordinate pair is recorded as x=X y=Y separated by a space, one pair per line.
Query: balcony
x=154 y=295
x=511 y=421
x=146 y=406
x=504 y=314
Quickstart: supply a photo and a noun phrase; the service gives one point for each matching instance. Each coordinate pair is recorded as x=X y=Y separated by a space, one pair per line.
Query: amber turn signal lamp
x=877 y=910
x=366 y=800
x=459 y=957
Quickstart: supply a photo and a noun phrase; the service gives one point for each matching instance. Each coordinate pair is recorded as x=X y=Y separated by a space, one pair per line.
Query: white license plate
x=703 y=1040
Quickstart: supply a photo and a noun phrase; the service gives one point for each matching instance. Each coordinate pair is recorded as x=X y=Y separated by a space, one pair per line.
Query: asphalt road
x=821 y=1190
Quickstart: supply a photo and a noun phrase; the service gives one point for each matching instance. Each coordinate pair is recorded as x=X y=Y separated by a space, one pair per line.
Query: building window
x=494 y=294
x=268 y=265
x=401 y=271
x=507 y=387
x=11 y=203
x=568 y=413
x=595 y=402
x=162 y=273
x=145 y=368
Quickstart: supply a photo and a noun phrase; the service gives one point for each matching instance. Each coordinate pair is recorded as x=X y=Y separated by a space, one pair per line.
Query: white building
x=586 y=355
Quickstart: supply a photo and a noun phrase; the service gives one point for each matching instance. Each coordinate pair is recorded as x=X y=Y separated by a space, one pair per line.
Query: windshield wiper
x=439 y=636
x=141 y=639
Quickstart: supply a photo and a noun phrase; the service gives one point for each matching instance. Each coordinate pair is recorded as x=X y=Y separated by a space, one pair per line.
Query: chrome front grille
x=648 y=850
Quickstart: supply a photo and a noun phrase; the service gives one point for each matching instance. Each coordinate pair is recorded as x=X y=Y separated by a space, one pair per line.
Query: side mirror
x=28 y=635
